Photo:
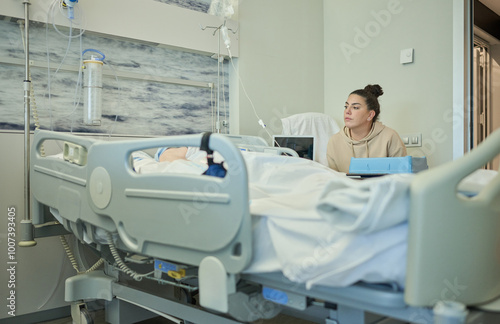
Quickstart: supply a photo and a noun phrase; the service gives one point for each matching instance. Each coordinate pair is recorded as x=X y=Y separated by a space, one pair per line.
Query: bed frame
x=95 y=188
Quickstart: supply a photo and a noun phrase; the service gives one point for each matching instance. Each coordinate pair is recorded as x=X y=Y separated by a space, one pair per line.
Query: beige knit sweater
x=382 y=141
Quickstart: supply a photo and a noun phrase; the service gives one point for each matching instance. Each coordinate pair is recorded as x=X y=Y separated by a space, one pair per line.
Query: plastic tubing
x=95 y=51
x=260 y=121
x=50 y=19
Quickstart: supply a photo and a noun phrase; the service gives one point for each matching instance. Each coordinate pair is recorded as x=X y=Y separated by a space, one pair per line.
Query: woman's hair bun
x=374 y=89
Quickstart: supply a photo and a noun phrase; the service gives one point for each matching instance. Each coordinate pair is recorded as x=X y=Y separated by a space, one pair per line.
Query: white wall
x=38 y=281
x=150 y=21
x=363 y=40
x=281 y=61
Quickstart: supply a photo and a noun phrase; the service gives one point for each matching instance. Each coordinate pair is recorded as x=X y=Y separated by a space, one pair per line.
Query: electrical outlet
x=412 y=140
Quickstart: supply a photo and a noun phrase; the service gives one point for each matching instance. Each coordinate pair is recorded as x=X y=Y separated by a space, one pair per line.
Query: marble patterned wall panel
x=141 y=106
x=197 y=5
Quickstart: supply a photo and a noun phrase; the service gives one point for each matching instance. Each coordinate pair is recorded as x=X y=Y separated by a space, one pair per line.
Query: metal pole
x=468 y=74
x=26 y=224
x=217 y=123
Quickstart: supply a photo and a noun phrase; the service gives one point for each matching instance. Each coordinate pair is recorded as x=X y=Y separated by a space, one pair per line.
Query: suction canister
x=92 y=91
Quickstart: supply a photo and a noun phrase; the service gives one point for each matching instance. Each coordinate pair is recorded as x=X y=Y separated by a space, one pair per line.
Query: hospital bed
x=198 y=230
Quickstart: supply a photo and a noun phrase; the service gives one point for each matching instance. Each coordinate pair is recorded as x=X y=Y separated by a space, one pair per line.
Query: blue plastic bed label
x=274 y=295
x=165 y=266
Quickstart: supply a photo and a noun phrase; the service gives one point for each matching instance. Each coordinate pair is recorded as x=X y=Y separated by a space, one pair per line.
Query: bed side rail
x=258 y=144
x=48 y=173
x=453 y=251
x=178 y=217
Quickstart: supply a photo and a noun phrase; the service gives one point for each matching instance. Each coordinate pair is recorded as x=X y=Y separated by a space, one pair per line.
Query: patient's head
x=371 y=93
x=173 y=153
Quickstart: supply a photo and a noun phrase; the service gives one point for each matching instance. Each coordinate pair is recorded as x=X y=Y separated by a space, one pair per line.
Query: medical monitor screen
x=303 y=145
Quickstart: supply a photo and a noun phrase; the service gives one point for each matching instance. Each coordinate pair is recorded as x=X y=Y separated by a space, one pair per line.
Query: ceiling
x=494 y=5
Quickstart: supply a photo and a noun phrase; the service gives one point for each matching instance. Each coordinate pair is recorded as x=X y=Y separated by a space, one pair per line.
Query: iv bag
x=221 y=8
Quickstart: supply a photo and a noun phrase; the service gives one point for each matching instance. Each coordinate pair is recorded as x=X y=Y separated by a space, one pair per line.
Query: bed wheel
x=85 y=317
x=183 y=295
x=80 y=314
x=251 y=307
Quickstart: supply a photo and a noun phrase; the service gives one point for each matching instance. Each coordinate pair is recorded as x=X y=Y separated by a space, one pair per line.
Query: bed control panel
x=75 y=153
x=285 y=298
x=173 y=270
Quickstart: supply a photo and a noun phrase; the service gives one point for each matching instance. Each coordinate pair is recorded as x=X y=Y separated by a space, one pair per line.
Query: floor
x=99 y=319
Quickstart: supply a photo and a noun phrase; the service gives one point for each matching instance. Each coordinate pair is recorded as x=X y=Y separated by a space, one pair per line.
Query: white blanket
x=316 y=225
x=319 y=227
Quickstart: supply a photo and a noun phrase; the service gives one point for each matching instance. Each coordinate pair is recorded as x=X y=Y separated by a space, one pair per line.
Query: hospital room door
x=481 y=112
x=483 y=116
x=484 y=112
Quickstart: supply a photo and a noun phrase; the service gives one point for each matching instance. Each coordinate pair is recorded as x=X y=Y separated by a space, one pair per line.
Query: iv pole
x=217 y=29
x=27 y=232
x=220 y=60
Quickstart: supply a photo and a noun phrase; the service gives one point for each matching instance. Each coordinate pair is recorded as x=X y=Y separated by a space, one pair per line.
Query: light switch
x=406 y=56
x=412 y=139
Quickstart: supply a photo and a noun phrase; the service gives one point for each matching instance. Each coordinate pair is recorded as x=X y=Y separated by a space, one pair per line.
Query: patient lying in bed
x=312 y=223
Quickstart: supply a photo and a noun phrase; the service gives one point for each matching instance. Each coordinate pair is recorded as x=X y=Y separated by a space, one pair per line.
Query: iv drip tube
x=27 y=232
